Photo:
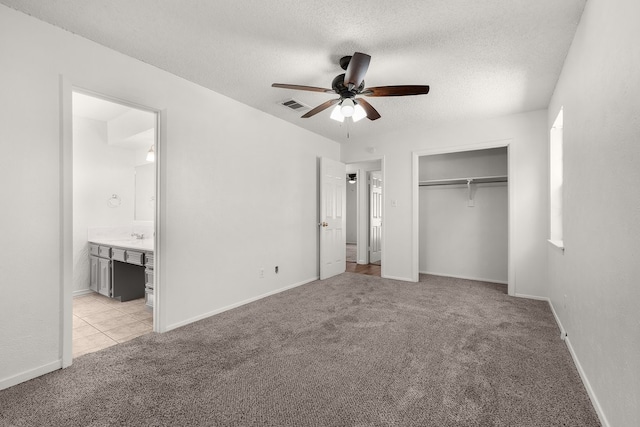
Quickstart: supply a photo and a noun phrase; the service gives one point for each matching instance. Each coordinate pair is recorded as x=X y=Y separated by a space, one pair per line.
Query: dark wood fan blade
x=358 y=66
x=372 y=113
x=321 y=107
x=395 y=90
x=301 y=87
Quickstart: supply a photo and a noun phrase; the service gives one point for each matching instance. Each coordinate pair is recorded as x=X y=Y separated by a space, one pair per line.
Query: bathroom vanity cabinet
x=118 y=270
x=148 y=278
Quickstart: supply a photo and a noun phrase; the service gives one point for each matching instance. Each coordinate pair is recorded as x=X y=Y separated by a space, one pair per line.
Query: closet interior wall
x=463 y=227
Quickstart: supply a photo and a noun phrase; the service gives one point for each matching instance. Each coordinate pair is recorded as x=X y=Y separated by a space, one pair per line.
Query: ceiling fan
x=350 y=85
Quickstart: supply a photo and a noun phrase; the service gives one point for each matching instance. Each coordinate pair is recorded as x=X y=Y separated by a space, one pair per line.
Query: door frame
x=66 y=210
x=504 y=143
x=361 y=174
x=369 y=213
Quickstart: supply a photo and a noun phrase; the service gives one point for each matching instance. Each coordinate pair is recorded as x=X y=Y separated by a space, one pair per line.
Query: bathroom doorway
x=114 y=217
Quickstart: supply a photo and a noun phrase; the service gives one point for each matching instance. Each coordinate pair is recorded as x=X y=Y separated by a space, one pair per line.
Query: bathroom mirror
x=145 y=192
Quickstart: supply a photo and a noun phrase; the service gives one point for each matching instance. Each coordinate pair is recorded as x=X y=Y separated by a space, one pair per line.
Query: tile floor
x=100 y=322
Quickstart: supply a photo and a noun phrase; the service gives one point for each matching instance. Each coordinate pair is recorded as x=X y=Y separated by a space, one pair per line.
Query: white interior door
x=333 y=200
x=375 y=220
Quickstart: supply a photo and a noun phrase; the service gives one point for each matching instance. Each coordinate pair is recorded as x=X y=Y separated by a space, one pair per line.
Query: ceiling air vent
x=294 y=105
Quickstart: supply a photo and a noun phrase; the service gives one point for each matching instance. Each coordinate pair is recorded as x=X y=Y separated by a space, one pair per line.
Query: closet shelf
x=458 y=181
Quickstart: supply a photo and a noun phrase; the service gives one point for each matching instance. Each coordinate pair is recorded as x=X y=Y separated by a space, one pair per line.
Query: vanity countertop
x=145 y=245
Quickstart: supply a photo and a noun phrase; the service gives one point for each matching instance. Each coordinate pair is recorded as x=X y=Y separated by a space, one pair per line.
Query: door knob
x=324 y=224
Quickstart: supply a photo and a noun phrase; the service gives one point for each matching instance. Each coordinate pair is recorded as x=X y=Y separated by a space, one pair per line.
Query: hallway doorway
x=364 y=218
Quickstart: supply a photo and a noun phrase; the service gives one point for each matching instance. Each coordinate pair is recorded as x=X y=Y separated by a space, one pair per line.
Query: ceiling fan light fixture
x=351 y=84
x=347 y=107
x=336 y=114
x=358 y=113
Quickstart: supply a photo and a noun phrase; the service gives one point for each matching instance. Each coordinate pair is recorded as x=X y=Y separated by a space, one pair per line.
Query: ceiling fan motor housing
x=342 y=90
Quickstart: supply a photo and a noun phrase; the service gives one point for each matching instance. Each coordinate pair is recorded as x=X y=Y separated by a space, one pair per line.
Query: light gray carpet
x=353 y=350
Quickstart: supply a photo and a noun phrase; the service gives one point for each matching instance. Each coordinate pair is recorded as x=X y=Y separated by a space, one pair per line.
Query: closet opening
x=463 y=215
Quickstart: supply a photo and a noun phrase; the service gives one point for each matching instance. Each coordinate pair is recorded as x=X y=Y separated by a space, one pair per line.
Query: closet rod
x=458 y=181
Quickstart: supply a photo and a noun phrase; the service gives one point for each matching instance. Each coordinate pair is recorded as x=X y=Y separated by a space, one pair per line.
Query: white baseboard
x=82 y=292
x=583 y=375
x=536 y=298
x=30 y=374
x=477 y=279
x=587 y=385
x=563 y=333
x=238 y=304
x=404 y=279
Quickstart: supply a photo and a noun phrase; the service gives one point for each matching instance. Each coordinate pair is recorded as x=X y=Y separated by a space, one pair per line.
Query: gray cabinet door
x=93 y=273
x=104 y=278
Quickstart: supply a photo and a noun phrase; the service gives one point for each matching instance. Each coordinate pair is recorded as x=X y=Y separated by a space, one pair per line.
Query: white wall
x=464 y=164
x=145 y=197
x=461 y=241
x=238 y=190
x=99 y=171
x=594 y=285
x=527 y=135
x=456 y=239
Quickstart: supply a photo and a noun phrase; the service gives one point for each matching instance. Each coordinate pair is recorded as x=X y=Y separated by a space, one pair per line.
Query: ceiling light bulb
x=151 y=155
x=347 y=108
x=358 y=113
x=336 y=114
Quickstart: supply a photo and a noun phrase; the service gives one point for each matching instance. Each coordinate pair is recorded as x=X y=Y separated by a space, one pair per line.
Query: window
x=555 y=181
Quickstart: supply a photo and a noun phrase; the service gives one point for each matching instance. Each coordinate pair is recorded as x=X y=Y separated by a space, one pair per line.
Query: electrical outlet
x=261 y=273
x=277 y=269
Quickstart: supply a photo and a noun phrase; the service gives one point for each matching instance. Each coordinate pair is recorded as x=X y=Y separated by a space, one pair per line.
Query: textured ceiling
x=482 y=58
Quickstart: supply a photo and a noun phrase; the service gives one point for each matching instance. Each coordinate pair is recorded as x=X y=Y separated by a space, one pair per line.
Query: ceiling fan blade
x=396 y=90
x=372 y=113
x=301 y=87
x=321 y=107
x=358 y=66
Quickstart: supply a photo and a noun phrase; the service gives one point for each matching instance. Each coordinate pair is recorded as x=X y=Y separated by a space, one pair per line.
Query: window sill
x=557 y=243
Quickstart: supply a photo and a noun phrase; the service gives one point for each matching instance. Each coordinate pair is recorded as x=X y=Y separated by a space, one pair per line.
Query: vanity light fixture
x=352 y=178
x=151 y=155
